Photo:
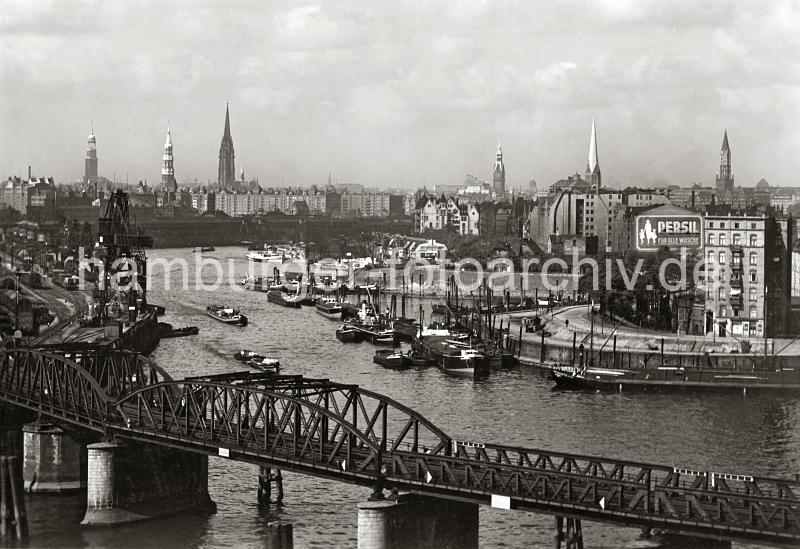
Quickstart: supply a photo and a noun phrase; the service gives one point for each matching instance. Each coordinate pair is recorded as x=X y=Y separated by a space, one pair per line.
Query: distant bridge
x=346 y=433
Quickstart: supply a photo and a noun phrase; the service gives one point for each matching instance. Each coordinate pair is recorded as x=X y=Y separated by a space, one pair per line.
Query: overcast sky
x=403 y=93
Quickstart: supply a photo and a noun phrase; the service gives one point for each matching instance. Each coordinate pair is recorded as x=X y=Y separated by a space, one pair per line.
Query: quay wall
x=142 y=336
x=605 y=355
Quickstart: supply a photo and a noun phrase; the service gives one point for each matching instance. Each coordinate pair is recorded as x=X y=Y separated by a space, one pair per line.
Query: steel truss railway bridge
x=346 y=433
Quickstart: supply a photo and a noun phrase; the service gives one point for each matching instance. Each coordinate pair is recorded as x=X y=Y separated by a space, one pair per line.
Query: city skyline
x=343 y=91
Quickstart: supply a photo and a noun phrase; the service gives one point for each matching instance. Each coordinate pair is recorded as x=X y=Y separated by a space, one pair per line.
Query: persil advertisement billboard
x=673 y=231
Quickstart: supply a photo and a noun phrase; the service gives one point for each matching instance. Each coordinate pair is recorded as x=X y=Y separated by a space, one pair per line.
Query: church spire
x=90 y=163
x=499 y=176
x=167 y=168
x=227 y=165
x=227 y=133
x=725 y=175
x=593 y=176
x=593 y=148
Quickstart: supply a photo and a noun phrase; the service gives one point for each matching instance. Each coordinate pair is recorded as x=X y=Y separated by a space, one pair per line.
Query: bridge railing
x=384 y=421
x=632 y=471
x=250 y=421
x=52 y=385
x=553 y=484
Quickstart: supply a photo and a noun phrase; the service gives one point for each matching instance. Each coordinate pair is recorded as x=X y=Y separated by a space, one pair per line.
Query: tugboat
x=228 y=315
x=390 y=358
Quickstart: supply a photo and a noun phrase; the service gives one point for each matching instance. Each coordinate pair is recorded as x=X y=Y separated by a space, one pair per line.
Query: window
x=723 y=311
x=753 y=276
x=722 y=293
x=735 y=225
x=752 y=312
x=722 y=258
x=753 y=239
x=752 y=225
x=753 y=258
x=711 y=238
x=722 y=239
x=710 y=224
x=752 y=294
x=736 y=239
x=722 y=225
x=711 y=257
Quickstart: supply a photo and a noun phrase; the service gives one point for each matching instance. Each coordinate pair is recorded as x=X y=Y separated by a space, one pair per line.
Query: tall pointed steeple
x=593 y=176
x=499 y=175
x=90 y=163
x=167 y=167
x=593 y=148
x=725 y=175
x=227 y=166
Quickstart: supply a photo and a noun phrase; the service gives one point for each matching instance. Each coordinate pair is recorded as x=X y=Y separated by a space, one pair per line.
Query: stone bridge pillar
x=133 y=481
x=54 y=462
x=417 y=522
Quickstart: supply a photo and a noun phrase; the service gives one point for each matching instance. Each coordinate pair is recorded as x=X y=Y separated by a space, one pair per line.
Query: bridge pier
x=417 y=522
x=265 y=479
x=53 y=461
x=573 y=537
x=131 y=482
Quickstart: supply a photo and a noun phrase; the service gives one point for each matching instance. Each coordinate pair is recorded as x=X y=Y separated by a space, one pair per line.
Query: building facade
x=735 y=305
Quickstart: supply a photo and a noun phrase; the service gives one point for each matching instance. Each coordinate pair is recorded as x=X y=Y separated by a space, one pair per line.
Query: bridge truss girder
x=339 y=431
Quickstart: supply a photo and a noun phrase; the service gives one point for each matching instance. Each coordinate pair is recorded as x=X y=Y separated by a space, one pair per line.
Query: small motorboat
x=348 y=334
x=246 y=356
x=228 y=315
x=265 y=364
x=392 y=359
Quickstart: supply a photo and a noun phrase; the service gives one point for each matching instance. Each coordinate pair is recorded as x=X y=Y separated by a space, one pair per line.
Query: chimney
x=29 y=172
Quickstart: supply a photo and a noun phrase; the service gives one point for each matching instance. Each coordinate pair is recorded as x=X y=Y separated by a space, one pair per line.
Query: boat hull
x=334 y=313
x=397 y=362
x=458 y=366
x=348 y=335
x=278 y=297
x=239 y=320
x=672 y=379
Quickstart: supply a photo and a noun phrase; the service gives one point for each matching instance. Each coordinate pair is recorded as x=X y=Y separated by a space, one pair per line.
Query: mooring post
x=558 y=533
x=5 y=495
x=519 y=345
x=542 y=346
x=574 y=342
x=279 y=484
x=20 y=516
x=264 y=485
x=280 y=535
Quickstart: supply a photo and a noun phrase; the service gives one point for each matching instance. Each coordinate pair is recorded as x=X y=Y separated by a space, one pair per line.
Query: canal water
x=719 y=432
